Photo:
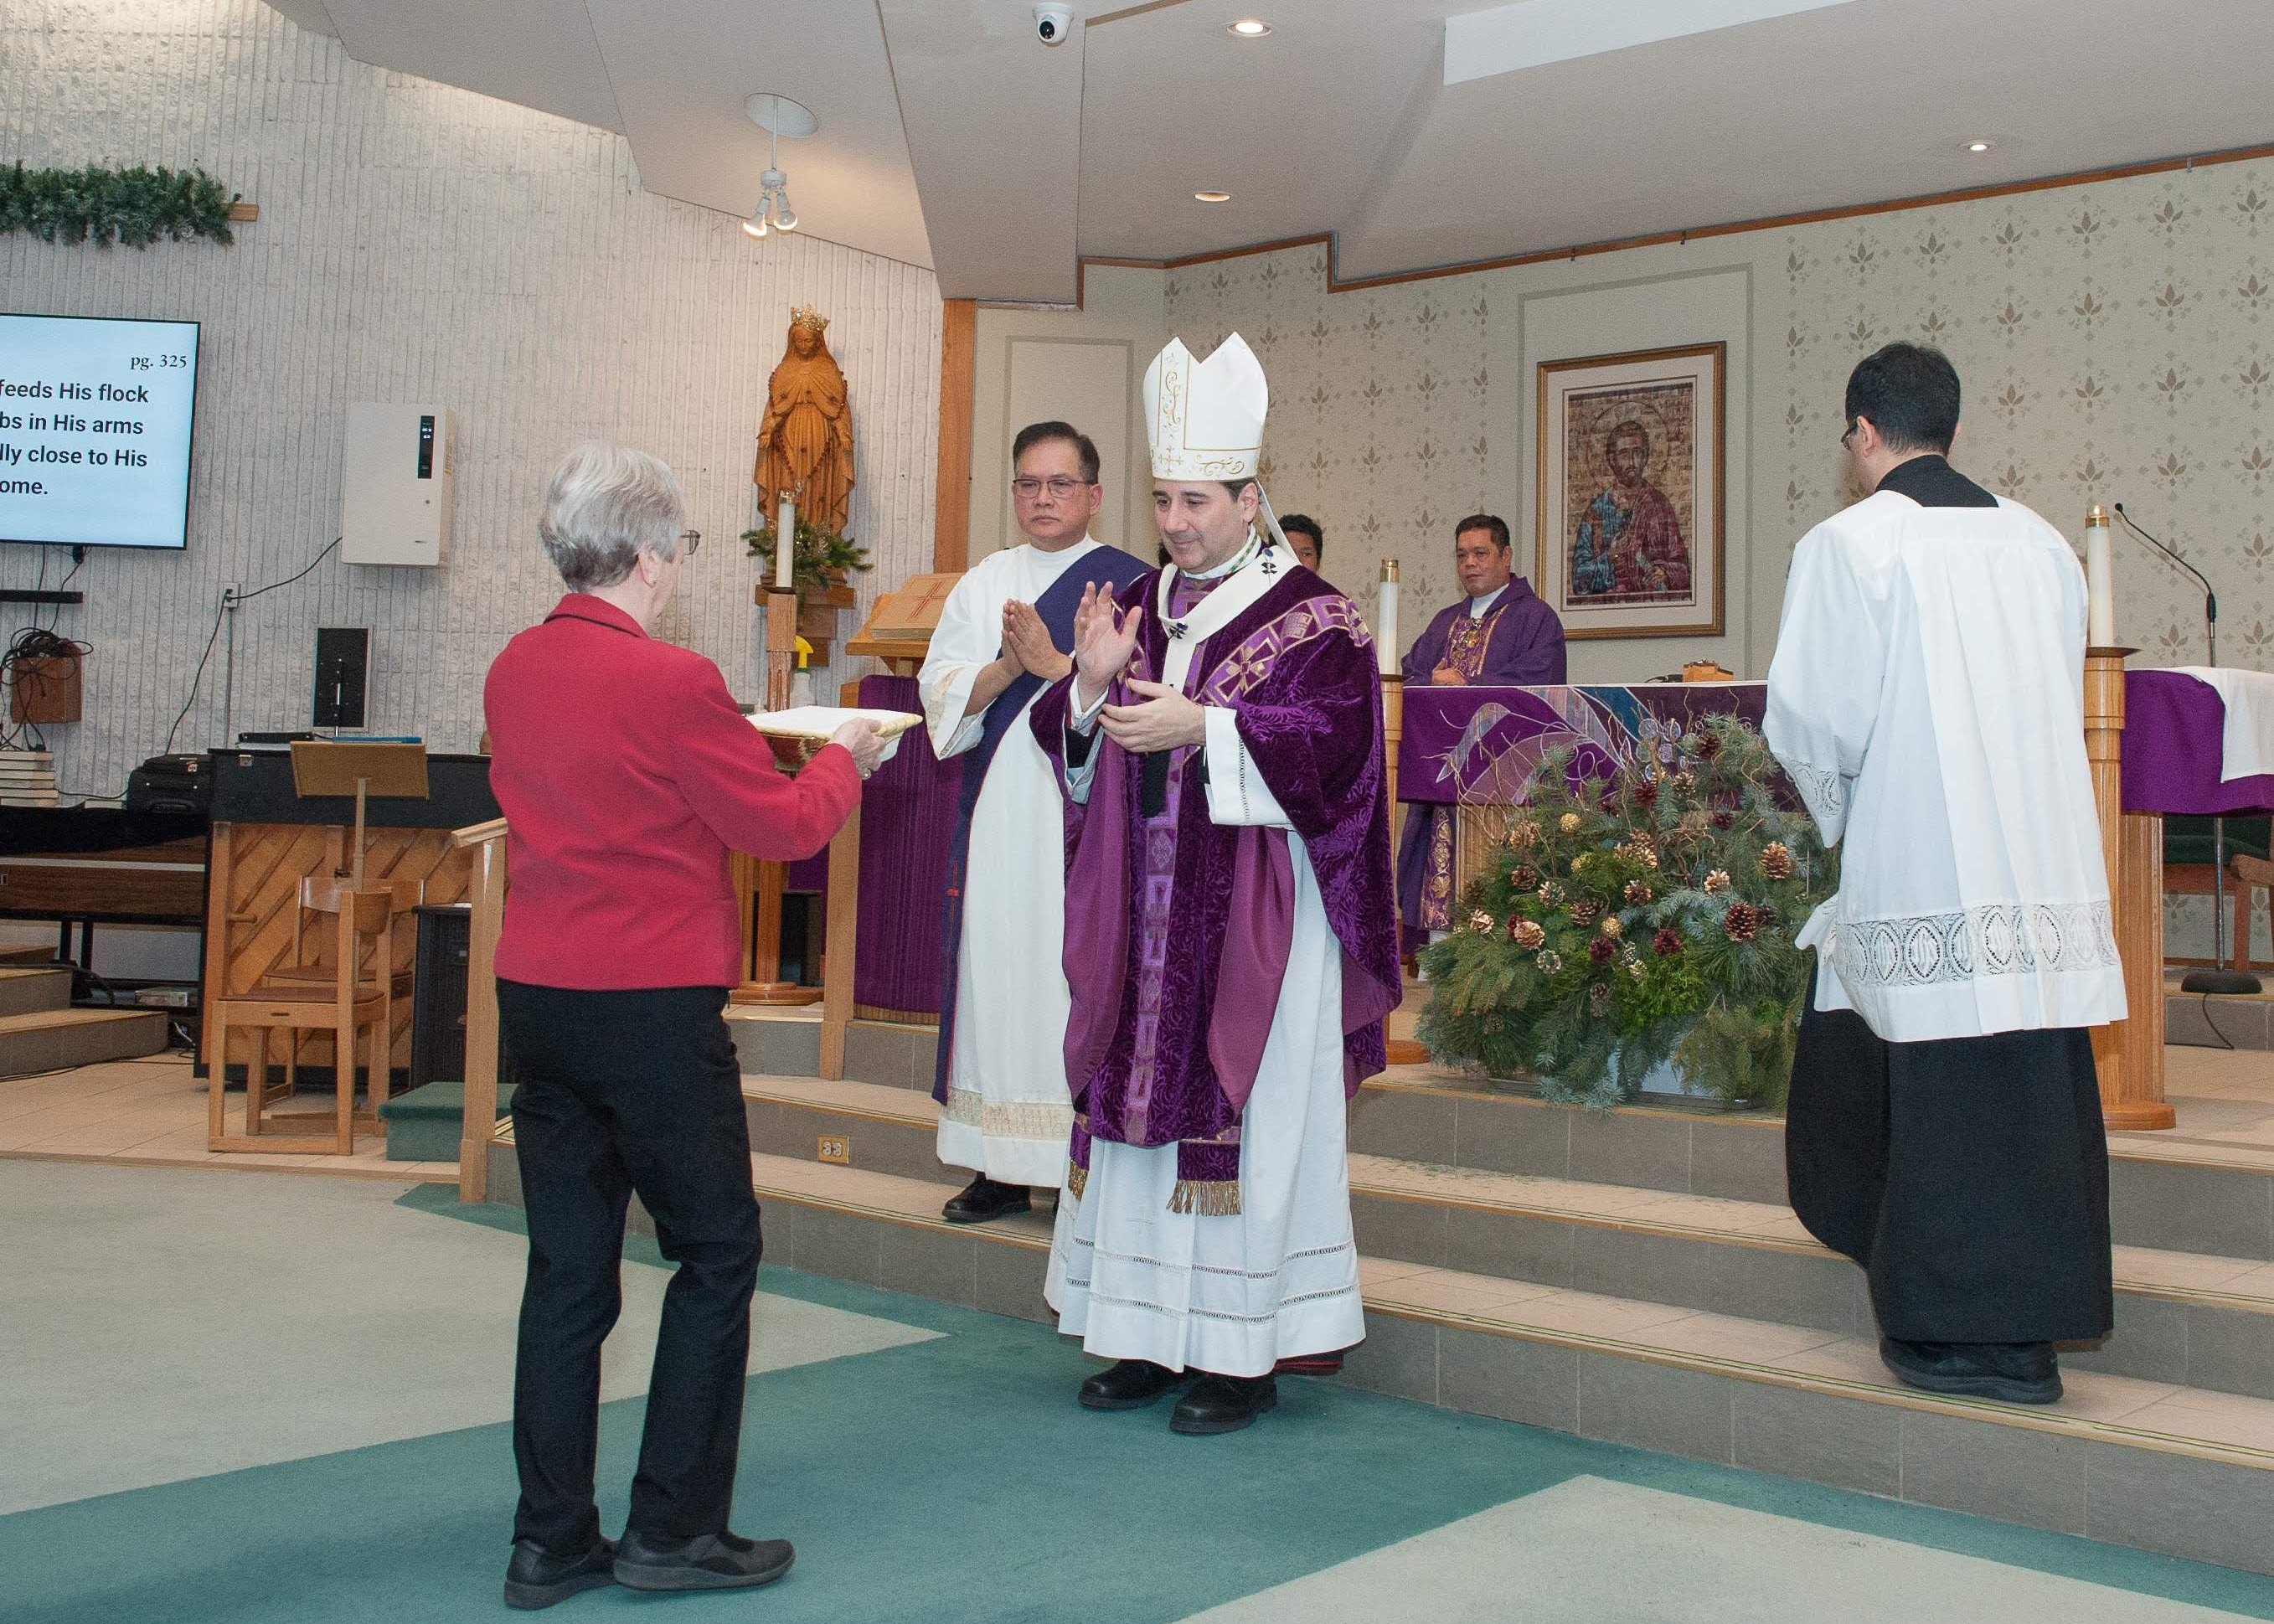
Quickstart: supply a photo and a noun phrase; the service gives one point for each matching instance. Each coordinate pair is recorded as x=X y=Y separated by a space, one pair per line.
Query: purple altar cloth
x=1480 y=744
x=907 y=824
x=2174 y=732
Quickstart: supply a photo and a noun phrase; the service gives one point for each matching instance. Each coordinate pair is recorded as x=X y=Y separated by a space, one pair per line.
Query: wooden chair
x=2188 y=867
x=352 y=995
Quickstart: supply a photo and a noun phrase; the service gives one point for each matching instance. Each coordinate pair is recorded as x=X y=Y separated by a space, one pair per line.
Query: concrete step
x=2158 y=1465
x=50 y=1040
x=2180 y=1317
x=31 y=991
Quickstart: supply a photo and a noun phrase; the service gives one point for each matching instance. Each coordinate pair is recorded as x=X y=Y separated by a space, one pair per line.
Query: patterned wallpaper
x=2116 y=341
x=417 y=242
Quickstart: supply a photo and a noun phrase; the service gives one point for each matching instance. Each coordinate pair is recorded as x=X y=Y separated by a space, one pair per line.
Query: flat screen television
x=95 y=415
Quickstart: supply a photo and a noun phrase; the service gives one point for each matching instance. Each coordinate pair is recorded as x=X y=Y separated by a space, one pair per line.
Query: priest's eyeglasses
x=1060 y=485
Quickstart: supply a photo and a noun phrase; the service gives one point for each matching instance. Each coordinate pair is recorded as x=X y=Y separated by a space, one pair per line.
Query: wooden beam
x=844 y=922
x=244 y=214
x=958 y=343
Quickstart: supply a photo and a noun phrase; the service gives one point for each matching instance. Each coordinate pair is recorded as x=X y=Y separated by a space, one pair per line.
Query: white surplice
x=1009 y=1113
x=1229 y=1293
x=1926 y=699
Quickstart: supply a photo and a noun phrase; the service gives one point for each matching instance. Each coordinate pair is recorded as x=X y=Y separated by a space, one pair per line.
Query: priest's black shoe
x=984 y=1199
x=706 y=1562
x=1130 y=1385
x=1223 y=1403
x=537 y=1578
x=2017 y=1373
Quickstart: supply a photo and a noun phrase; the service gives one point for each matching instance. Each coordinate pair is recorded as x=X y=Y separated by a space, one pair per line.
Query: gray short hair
x=607 y=505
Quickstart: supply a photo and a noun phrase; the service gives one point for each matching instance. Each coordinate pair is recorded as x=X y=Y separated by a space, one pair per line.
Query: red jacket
x=627 y=774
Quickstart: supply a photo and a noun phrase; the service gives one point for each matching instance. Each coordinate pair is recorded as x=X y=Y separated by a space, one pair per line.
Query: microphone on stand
x=2210 y=599
x=2222 y=979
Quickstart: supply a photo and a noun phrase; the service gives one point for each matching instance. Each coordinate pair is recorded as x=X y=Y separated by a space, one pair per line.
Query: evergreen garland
x=1630 y=922
x=821 y=559
x=134 y=206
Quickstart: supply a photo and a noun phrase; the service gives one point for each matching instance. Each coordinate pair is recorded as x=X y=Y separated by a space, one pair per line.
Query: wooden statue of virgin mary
x=805 y=441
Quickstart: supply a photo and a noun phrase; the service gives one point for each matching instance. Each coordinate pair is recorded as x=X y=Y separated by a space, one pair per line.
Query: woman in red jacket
x=627 y=774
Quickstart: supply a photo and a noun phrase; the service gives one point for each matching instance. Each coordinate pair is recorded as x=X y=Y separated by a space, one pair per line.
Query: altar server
x=1499 y=632
x=627 y=774
x=1003 y=637
x=1926 y=700
x=1231 y=940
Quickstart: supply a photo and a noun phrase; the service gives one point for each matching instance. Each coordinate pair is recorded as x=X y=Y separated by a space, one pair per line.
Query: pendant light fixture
x=778 y=116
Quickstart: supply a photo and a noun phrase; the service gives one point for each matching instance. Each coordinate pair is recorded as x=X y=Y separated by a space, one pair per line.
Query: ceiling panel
x=538 y=53
x=993 y=119
x=681 y=72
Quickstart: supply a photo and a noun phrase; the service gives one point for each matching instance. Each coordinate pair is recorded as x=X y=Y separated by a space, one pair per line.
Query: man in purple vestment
x=1230 y=933
x=1499 y=633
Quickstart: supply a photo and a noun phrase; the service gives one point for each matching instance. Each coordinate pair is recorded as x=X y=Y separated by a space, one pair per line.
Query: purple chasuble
x=1518 y=643
x=1176 y=929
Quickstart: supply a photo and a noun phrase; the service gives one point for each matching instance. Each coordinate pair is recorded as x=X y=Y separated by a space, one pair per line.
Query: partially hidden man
x=1000 y=1076
x=1927 y=700
x=1231 y=933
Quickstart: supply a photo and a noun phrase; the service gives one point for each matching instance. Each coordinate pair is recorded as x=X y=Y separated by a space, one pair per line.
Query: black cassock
x=1968 y=1176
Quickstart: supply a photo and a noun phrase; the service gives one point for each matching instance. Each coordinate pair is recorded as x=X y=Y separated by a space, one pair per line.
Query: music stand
x=321 y=767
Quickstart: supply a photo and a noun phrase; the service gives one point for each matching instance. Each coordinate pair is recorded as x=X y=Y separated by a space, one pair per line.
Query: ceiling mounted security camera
x=1053 y=23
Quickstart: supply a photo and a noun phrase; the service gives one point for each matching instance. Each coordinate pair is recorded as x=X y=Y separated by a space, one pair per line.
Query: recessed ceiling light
x=1249 y=28
x=1977 y=147
x=1212 y=196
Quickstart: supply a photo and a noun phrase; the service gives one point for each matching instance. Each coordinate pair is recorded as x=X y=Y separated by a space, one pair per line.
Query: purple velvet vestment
x=1522 y=647
x=1177 y=929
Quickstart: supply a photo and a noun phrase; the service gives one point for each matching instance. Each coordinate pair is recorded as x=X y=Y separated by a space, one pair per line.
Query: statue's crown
x=1205 y=418
x=806 y=316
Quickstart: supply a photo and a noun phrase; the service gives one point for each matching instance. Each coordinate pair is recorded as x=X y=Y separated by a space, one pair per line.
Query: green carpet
x=951 y=1479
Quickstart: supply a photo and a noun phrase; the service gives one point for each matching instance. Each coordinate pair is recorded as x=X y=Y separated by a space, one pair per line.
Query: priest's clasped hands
x=1104 y=638
x=1026 y=643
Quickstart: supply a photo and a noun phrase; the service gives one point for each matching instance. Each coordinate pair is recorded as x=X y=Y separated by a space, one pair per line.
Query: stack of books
x=27 y=778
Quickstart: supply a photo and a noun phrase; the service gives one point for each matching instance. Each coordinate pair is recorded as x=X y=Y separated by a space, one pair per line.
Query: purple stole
x=1105 y=566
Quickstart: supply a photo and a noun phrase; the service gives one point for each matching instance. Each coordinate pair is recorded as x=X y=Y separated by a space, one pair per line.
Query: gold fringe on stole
x=1077 y=1179
x=1210 y=1198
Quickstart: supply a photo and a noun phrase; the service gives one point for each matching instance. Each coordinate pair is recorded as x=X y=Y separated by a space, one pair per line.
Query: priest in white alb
x=1230 y=935
x=1926 y=699
x=1003 y=637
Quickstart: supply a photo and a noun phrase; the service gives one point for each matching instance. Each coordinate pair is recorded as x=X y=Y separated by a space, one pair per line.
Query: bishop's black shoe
x=984 y=1199
x=1130 y=1385
x=2017 y=1373
x=706 y=1562
x=537 y=1578
x=1223 y=1403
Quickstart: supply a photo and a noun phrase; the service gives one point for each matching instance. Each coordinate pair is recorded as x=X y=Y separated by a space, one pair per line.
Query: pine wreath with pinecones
x=1670 y=940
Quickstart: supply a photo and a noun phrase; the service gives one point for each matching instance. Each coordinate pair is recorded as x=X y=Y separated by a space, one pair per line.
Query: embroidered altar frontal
x=1475 y=748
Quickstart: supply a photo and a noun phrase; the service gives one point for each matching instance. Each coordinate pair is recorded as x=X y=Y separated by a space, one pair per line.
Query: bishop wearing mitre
x=1231 y=931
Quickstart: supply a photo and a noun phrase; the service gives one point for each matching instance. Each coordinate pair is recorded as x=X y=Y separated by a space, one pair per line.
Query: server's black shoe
x=537 y=1578
x=984 y=1199
x=706 y=1562
x=1130 y=1385
x=1223 y=1403
x=2017 y=1373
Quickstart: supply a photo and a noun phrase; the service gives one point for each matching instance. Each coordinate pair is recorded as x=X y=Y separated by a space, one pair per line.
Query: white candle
x=785 y=544
x=1385 y=620
x=2099 y=581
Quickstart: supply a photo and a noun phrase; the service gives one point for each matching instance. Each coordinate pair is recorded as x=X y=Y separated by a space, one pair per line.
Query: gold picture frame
x=1632 y=492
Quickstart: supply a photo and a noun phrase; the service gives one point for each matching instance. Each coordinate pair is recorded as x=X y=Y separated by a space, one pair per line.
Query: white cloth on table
x=2245 y=748
x=1926 y=699
x=1008 y=1113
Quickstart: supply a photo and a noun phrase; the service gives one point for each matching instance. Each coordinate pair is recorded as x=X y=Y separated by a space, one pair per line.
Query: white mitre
x=1205 y=418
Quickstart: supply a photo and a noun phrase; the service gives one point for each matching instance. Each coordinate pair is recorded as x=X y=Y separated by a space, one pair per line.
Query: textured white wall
x=418 y=242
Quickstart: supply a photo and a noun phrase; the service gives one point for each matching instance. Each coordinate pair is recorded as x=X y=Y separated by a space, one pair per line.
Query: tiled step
x=28 y=991
x=2180 y=1317
x=2158 y=1465
x=52 y=1039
